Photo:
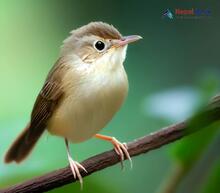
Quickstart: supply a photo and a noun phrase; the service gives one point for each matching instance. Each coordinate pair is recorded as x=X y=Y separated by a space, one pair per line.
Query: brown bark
x=139 y=146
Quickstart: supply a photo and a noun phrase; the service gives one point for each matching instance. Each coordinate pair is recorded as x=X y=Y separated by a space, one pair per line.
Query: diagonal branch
x=58 y=178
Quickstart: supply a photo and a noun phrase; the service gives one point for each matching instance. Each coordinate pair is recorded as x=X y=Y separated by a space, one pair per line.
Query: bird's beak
x=126 y=40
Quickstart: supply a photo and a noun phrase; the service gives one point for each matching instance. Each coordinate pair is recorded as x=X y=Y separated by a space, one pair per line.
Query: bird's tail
x=22 y=146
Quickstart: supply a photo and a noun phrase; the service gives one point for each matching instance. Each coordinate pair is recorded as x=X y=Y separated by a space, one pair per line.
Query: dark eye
x=99 y=45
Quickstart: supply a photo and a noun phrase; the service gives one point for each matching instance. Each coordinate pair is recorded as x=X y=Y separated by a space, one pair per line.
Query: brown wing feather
x=45 y=104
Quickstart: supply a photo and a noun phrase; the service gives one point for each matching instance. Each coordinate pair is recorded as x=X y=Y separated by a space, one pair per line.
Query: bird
x=82 y=92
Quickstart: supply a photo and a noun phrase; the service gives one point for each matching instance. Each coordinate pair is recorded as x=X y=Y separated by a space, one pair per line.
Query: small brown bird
x=82 y=92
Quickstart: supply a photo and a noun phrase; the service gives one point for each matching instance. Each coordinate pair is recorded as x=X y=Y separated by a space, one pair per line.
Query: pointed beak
x=126 y=40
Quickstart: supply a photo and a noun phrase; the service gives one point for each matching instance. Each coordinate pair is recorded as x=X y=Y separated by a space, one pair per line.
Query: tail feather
x=22 y=146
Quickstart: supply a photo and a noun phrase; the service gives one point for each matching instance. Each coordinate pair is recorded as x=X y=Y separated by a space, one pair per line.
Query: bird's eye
x=99 y=45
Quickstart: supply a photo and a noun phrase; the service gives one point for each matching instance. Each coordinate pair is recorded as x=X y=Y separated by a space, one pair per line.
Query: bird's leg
x=120 y=148
x=74 y=166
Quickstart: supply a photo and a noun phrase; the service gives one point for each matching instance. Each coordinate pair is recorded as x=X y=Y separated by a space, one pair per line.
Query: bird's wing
x=46 y=103
x=47 y=100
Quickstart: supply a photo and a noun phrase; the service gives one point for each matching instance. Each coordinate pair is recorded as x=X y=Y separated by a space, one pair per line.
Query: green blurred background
x=172 y=72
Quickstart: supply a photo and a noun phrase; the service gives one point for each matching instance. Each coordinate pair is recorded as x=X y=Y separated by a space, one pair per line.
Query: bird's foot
x=122 y=150
x=75 y=166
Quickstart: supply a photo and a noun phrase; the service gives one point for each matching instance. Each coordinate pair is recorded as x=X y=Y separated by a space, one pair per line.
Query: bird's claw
x=75 y=166
x=122 y=150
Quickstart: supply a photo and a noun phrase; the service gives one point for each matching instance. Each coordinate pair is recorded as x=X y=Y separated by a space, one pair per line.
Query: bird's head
x=97 y=41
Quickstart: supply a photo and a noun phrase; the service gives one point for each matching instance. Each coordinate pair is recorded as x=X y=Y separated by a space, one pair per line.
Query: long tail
x=22 y=146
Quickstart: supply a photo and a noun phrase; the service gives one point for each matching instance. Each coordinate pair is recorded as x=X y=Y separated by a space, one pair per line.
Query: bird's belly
x=82 y=115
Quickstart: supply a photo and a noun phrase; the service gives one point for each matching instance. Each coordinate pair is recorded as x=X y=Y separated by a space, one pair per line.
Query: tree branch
x=64 y=176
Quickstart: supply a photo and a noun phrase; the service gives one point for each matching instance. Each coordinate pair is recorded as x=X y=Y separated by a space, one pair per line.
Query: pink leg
x=75 y=166
x=120 y=148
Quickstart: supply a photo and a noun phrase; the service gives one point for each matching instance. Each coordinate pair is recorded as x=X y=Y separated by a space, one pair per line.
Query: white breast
x=91 y=100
